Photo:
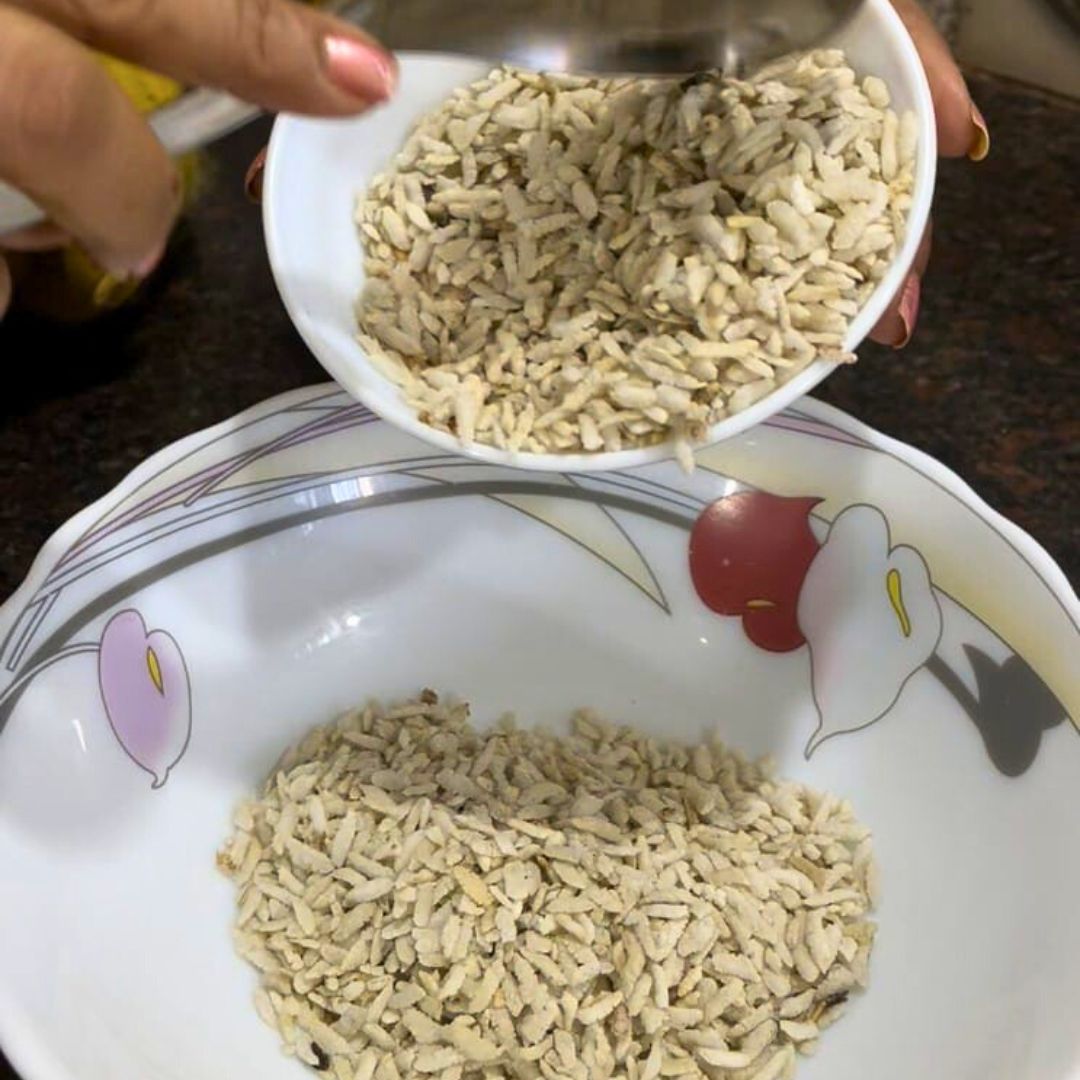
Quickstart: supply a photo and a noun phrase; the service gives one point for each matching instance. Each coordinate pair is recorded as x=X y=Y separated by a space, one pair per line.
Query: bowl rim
x=1030 y=549
x=345 y=372
x=28 y=1051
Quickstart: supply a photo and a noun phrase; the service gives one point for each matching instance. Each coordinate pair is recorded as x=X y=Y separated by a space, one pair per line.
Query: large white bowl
x=305 y=556
x=316 y=169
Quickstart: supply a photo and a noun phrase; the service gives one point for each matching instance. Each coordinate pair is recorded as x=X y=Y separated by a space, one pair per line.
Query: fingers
x=897 y=326
x=80 y=149
x=961 y=127
x=276 y=53
x=5 y=287
x=43 y=237
x=961 y=130
x=898 y=323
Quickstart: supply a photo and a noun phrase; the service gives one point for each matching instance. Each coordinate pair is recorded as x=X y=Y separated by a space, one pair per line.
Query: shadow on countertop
x=990 y=385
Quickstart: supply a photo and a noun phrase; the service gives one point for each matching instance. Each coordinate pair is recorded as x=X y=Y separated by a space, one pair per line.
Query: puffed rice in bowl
x=421 y=897
x=756 y=276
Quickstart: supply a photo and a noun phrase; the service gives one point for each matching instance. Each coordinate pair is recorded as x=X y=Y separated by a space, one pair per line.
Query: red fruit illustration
x=749 y=554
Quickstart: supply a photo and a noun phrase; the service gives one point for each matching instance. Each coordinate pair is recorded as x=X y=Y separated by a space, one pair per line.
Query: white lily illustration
x=871 y=619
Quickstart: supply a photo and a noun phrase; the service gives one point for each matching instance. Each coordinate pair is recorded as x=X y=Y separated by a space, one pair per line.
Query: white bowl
x=316 y=169
x=304 y=556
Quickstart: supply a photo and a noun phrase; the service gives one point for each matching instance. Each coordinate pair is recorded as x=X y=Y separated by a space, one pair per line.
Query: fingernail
x=148 y=265
x=909 y=309
x=980 y=145
x=253 y=182
x=118 y=275
x=113 y=290
x=360 y=69
x=42 y=237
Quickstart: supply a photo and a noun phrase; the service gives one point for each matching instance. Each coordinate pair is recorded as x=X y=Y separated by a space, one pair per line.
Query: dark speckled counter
x=991 y=385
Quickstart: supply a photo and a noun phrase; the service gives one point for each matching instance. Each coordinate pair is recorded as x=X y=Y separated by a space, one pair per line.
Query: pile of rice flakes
x=564 y=264
x=422 y=899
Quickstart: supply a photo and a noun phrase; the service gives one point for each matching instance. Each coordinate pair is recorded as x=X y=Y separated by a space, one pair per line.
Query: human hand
x=961 y=132
x=71 y=140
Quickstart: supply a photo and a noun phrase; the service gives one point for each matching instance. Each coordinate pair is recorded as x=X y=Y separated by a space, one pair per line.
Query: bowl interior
x=316 y=169
x=141 y=981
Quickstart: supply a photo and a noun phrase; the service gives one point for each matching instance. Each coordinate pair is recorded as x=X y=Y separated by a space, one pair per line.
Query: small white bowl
x=316 y=169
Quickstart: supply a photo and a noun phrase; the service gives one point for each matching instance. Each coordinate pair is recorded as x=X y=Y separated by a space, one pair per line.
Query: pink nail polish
x=360 y=69
x=253 y=182
x=909 y=308
x=980 y=144
x=144 y=269
x=44 y=237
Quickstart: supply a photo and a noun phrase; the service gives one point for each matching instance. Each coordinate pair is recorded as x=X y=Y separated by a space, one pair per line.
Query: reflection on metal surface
x=610 y=36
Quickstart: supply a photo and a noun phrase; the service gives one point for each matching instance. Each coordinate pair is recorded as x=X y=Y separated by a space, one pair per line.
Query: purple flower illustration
x=144 y=687
x=146 y=692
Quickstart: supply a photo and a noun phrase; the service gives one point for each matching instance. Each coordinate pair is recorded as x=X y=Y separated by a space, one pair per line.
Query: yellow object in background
x=67 y=284
x=145 y=90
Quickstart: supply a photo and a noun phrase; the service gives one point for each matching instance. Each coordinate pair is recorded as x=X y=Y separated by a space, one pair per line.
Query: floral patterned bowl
x=814 y=591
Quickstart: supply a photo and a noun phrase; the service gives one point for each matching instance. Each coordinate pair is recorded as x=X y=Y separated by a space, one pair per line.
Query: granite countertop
x=990 y=386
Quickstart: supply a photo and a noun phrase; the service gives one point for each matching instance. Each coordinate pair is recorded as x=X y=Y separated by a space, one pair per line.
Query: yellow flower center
x=154 y=668
x=895 y=588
